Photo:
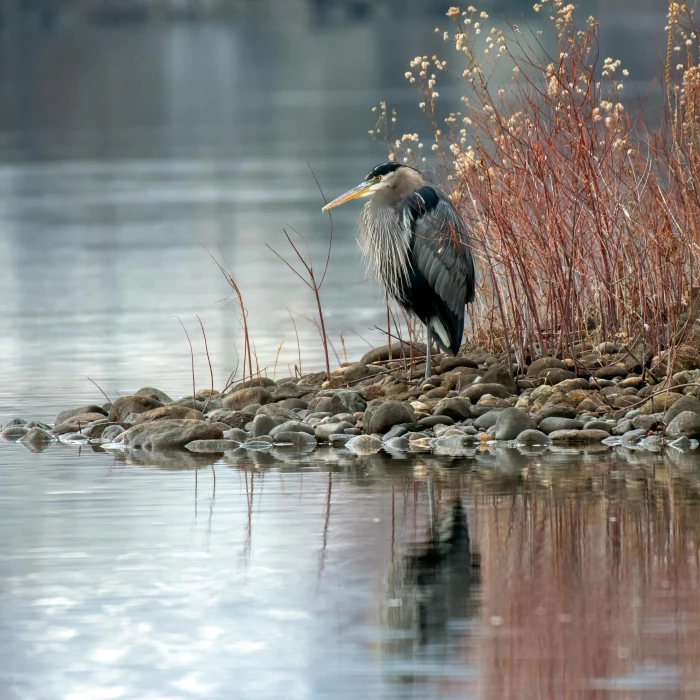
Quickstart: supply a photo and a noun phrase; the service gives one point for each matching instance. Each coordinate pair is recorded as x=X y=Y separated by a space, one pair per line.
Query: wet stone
x=533 y=437
x=244 y=397
x=622 y=427
x=545 y=363
x=235 y=434
x=236 y=419
x=169 y=434
x=396 y=431
x=650 y=422
x=549 y=425
x=324 y=431
x=487 y=420
x=476 y=391
x=389 y=414
x=685 y=403
x=398 y=444
x=338 y=440
x=578 y=436
x=456 y=408
x=13 y=433
x=631 y=437
x=263 y=425
x=599 y=425
x=36 y=437
x=89 y=408
x=554 y=410
x=294 y=438
x=14 y=422
x=292 y=426
x=111 y=431
x=153 y=393
x=685 y=424
x=510 y=423
x=432 y=421
x=610 y=372
x=126 y=405
x=364 y=444
x=205 y=446
x=171 y=411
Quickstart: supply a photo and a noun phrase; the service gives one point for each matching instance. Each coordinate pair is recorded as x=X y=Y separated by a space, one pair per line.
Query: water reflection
x=509 y=575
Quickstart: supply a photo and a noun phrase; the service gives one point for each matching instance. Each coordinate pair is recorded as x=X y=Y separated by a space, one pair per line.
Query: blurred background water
x=138 y=137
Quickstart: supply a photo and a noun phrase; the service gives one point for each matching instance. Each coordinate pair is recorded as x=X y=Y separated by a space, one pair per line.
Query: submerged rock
x=205 y=446
x=532 y=437
x=364 y=444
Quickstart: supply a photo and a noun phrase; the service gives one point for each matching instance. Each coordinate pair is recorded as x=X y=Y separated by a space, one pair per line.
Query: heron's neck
x=410 y=181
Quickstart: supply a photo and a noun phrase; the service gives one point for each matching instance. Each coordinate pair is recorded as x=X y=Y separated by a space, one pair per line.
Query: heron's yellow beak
x=362 y=190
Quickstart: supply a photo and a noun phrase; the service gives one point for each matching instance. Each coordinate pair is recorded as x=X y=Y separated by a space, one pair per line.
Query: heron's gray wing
x=440 y=249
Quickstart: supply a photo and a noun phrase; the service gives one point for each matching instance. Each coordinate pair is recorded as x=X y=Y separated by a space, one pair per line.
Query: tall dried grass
x=584 y=217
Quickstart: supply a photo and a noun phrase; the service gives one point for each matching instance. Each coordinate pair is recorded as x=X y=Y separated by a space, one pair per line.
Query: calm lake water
x=127 y=155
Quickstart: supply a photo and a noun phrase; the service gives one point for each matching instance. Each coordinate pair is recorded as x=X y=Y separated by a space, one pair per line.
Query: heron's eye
x=377 y=178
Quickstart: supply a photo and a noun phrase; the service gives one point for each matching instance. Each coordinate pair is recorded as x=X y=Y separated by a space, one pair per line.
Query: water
x=283 y=576
x=127 y=155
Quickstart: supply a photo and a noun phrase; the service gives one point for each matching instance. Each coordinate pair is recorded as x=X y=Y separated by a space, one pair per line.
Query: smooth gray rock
x=457 y=408
x=451 y=445
x=246 y=396
x=549 y=425
x=649 y=422
x=170 y=434
x=498 y=374
x=685 y=424
x=388 y=414
x=156 y=394
x=364 y=444
x=111 y=431
x=533 y=437
x=396 y=431
x=292 y=426
x=475 y=391
x=294 y=437
x=16 y=421
x=63 y=416
x=553 y=410
x=578 y=436
x=432 y=421
x=205 y=446
x=610 y=372
x=125 y=405
x=622 y=427
x=556 y=375
x=487 y=420
x=36 y=438
x=235 y=434
x=325 y=430
x=510 y=423
x=341 y=402
x=681 y=443
x=339 y=440
x=13 y=433
x=263 y=425
x=397 y=444
x=599 y=425
x=277 y=411
x=653 y=443
x=632 y=437
x=545 y=363
x=687 y=403
x=236 y=419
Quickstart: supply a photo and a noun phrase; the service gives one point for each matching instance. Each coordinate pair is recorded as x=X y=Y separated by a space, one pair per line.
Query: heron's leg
x=428 y=349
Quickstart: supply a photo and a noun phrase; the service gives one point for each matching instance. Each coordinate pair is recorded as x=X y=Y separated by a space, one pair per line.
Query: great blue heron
x=416 y=243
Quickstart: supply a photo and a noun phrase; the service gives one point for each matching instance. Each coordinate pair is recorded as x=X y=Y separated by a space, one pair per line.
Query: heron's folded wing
x=440 y=249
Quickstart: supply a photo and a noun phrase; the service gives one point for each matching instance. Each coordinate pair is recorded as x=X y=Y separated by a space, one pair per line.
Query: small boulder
x=126 y=405
x=13 y=433
x=533 y=437
x=578 y=436
x=556 y=375
x=292 y=426
x=262 y=425
x=498 y=374
x=457 y=408
x=236 y=419
x=389 y=414
x=476 y=391
x=487 y=420
x=245 y=396
x=686 y=403
x=325 y=430
x=364 y=444
x=510 y=423
x=610 y=372
x=549 y=425
x=169 y=434
x=685 y=424
x=156 y=394
x=294 y=437
x=172 y=411
x=661 y=402
x=545 y=363
x=63 y=416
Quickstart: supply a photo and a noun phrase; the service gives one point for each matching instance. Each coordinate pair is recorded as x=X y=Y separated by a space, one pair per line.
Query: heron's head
x=395 y=176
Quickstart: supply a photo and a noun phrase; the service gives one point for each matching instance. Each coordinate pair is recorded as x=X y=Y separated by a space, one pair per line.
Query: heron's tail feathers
x=448 y=337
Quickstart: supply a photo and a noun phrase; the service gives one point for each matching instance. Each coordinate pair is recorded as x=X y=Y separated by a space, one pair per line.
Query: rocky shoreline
x=605 y=397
